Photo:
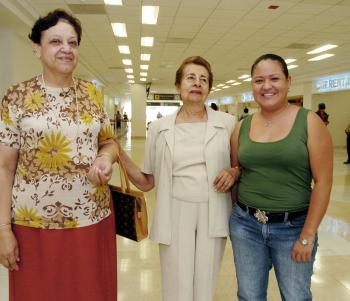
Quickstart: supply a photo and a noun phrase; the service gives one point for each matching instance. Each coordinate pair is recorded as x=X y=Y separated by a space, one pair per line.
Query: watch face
x=304 y=242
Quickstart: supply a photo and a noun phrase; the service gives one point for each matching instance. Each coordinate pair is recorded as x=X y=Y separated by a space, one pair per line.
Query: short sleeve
x=9 y=131
x=106 y=131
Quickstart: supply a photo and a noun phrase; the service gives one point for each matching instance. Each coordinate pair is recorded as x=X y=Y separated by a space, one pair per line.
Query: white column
x=6 y=61
x=138 y=109
x=307 y=95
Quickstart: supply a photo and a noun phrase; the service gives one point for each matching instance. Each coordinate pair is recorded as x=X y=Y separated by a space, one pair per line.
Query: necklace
x=269 y=122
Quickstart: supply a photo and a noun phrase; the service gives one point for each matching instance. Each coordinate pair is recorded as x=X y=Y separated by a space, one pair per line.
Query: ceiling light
x=129 y=70
x=236 y=84
x=143 y=73
x=127 y=62
x=144 y=67
x=145 y=57
x=124 y=49
x=221 y=85
x=131 y=81
x=119 y=30
x=150 y=14
x=288 y=61
x=248 y=79
x=230 y=81
x=322 y=48
x=147 y=41
x=113 y=2
x=292 y=66
x=130 y=76
x=244 y=76
x=218 y=90
x=321 y=57
x=142 y=79
x=226 y=87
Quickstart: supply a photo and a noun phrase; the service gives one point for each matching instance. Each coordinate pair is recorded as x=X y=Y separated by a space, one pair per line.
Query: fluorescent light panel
x=129 y=70
x=322 y=48
x=230 y=81
x=124 y=49
x=321 y=57
x=147 y=41
x=119 y=30
x=292 y=66
x=131 y=81
x=142 y=79
x=113 y=2
x=144 y=67
x=145 y=57
x=248 y=79
x=244 y=76
x=150 y=14
x=143 y=73
x=288 y=61
x=130 y=76
x=221 y=85
x=236 y=84
x=127 y=62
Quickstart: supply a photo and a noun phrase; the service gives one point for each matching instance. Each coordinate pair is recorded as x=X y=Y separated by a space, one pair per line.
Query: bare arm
x=321 y=161
x=9 y=255
x=141 y=180
x=234 y=157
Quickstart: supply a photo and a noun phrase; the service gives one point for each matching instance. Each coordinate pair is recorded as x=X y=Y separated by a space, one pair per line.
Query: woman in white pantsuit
x=187 y=159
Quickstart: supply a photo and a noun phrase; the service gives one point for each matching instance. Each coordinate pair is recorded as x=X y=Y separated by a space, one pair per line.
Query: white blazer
x=158 y=161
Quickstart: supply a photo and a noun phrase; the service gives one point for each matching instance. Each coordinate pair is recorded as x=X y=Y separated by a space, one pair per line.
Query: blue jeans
x=257 y=247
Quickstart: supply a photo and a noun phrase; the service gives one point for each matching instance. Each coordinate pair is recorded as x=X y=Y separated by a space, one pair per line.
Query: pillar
x=138 y=109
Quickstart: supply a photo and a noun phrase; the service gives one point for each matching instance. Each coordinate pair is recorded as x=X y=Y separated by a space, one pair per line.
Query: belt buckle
x=260 y=215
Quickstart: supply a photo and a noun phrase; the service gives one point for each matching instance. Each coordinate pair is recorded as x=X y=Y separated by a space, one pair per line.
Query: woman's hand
x=101 y=169
x=301 y=253
x=9 y=254
x=225 y=179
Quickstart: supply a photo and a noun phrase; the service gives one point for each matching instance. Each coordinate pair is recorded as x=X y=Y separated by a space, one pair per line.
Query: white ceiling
x=230 y=34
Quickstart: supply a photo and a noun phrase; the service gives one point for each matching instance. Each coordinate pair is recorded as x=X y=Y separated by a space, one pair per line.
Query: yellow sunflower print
x=86 y=118
x=95 y=94
x=28 y=217
x=6 y=118
x=53 y=151
x=34 y=101
x=105 y=133
x=71 y=224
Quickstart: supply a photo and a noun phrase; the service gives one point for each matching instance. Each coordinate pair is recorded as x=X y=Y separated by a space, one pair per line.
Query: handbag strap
x=124 y=179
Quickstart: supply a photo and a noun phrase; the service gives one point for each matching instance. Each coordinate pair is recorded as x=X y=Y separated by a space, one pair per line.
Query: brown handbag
x=130 y=209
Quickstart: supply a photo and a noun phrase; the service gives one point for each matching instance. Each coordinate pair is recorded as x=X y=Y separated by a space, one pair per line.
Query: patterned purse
x=130 y=209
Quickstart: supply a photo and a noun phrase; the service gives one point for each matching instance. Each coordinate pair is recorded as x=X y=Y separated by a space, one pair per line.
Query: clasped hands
x=225 y=179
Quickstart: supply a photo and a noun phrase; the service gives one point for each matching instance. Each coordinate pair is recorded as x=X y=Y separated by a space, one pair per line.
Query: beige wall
x=338 y=108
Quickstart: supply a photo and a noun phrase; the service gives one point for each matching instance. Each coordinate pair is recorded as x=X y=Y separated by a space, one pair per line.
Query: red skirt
x=70 y=264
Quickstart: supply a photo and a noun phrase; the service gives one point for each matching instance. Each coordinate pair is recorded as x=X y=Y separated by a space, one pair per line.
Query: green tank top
x=276 y=176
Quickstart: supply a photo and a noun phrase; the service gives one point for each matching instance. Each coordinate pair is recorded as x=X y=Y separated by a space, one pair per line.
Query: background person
x=347 y=132
x=57 y=235
x=277 y=214
x=245 y=114
x=187 y=159
x=322 y=113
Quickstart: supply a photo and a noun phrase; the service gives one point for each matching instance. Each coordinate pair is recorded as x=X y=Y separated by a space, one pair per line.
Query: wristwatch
x=306 y=242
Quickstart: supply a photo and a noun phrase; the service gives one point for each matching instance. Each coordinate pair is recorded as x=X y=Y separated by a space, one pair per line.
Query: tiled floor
x=138 y=263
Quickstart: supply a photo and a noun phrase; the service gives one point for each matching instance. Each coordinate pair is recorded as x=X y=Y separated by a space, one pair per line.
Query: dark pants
x=348 y=147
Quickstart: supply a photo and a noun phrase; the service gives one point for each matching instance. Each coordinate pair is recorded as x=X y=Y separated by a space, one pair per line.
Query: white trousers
x=191 y=263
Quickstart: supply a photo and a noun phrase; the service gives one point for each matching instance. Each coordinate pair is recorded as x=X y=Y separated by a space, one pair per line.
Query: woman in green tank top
x=275 y=220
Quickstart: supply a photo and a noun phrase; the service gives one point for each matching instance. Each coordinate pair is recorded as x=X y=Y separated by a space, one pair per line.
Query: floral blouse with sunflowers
x=57 y=133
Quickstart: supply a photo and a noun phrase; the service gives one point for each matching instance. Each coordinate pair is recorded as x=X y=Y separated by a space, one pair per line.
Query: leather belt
x=271 y=217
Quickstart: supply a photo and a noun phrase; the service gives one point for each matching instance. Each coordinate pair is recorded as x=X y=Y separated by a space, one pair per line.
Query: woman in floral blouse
x=57 y=234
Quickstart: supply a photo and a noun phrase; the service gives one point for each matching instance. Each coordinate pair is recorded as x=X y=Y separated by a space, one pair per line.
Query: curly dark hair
x=51 y=19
